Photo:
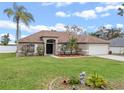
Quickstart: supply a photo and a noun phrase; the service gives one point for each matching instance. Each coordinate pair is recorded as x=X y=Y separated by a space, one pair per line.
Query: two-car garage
x=98 y=49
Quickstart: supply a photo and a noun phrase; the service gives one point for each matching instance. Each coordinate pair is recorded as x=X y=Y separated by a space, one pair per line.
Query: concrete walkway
x=113 y=57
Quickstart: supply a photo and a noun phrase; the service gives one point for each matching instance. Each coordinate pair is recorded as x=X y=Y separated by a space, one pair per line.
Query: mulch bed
x=58 y=84
x=68 y=55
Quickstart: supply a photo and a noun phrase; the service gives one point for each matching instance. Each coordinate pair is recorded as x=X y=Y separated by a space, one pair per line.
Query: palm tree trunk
x=17 y=35
x=17 y=31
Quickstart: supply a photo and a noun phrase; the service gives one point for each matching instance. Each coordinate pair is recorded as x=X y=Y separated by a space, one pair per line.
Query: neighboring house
x=106 y=33
x=117 y=45
x=53 y=40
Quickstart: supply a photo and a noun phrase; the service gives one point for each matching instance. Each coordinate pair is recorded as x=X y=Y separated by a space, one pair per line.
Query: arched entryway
x=50 y=46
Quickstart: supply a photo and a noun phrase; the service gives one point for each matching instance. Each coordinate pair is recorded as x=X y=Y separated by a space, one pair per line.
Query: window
x=30 y=47
x=50 y=41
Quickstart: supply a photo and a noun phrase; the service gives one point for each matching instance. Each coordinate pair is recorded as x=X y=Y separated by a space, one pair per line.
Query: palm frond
x=9 y=12
x=26 y=18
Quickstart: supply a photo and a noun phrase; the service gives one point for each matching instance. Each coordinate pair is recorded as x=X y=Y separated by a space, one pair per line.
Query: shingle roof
x=117 y=42
x=62 y=37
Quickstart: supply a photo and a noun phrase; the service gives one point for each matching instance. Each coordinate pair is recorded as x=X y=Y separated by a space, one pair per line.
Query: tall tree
x=19 y=14
x=5 y=39
x=121 y=10
x=73 y=32
x=107 y=33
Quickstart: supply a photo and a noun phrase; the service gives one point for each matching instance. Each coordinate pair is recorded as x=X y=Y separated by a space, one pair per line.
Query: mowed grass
x=38 y=72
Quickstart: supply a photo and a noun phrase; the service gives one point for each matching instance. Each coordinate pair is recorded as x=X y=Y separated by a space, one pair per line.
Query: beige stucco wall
x=59 y=47
x=84 y=48
x=20 y=45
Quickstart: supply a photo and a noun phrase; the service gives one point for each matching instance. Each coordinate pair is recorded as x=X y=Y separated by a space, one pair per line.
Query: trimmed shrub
x=40 y=50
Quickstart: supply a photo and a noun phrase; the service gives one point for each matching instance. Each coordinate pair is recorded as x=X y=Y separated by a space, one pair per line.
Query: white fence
x=8 y=49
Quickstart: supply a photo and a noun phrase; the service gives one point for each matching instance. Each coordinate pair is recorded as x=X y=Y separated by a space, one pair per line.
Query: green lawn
x=38 y=72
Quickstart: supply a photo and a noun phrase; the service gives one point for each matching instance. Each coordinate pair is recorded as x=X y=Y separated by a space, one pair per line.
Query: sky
x=55 y=15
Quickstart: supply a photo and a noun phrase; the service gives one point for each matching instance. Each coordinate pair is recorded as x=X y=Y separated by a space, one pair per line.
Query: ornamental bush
x=96 y=81
x=40 y=50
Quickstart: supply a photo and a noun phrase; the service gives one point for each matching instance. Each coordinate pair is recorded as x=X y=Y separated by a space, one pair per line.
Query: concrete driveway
x=113 y=57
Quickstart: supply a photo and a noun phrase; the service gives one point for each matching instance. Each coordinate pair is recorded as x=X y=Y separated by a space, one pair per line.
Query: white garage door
x=98 y=49
x=117 y=50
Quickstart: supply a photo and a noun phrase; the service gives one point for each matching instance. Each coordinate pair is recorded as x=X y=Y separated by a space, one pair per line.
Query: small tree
x=72 y=44
x=73 y=31
x=40 y=50
x=5 y=39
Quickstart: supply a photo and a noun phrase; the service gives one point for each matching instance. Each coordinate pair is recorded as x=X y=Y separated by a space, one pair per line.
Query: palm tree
x=19 y=13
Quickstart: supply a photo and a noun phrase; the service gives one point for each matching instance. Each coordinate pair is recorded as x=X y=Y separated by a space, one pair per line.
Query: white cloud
x=12 y=37
x=105 y=14
x=110 y=7
x=63 y=4
x=108 y=26
x=22 y=36
x=33 y=28
x=7 y=24
x=99 y=9
x=37 y=28
x=119 y=25
x=91 y=27
x=87 y=14
x=62 y=14
x=107 y=7
x=58 y=4
x=47 y=3
x=82 y=3
x=11 y=25
x=58 y=27
x=110 y=3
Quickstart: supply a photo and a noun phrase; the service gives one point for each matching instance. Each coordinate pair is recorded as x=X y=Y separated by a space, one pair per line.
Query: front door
x=49 y=48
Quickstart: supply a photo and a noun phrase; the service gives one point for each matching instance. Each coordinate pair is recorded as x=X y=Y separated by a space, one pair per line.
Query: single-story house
x=117 y=45
x=53 y=40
